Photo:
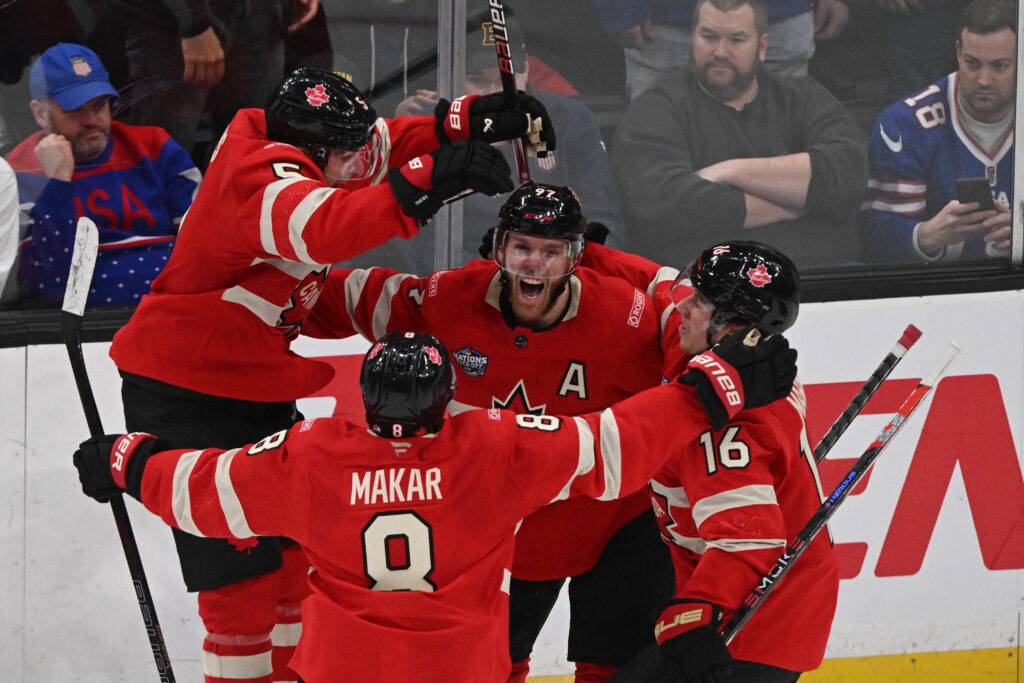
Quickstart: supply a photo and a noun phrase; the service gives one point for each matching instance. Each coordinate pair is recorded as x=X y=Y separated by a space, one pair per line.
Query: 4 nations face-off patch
x=472 y=362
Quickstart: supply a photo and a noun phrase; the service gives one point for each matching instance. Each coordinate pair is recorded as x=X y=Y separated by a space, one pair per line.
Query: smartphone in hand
x=975 y=190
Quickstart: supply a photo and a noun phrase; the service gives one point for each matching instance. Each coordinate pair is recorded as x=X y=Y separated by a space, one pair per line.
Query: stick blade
x=83 y=262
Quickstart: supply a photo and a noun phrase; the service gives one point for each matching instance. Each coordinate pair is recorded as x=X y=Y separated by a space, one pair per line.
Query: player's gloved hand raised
x=734 y=375
x=422 y=185
x=111 y=464
x=497 y=118
x=691 y=645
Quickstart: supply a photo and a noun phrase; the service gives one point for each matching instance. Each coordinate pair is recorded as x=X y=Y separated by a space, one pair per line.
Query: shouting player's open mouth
x=530 y=289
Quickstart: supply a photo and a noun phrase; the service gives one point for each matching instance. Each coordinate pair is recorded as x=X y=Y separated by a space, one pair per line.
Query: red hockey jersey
x=411 y=540
x=728 y=503
x=607 y=347
x=252 y=254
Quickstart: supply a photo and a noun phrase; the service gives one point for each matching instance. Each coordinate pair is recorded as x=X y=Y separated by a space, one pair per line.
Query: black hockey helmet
x=746 y=282
x=320 y=110
x=542 y=210
x=407 y=381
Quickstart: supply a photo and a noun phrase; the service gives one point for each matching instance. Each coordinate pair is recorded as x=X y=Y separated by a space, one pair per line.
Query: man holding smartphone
x=930 y=150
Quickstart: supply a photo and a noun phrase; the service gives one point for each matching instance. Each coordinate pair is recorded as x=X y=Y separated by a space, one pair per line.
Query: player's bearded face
x=727 y=51
x=535 y=269
x=987 y=73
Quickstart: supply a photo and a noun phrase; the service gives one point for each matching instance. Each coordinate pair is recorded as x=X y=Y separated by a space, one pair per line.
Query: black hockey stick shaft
x=70 y=324
x=817 y=522
x=508 y=78
x=906 y=340
x=82 y=263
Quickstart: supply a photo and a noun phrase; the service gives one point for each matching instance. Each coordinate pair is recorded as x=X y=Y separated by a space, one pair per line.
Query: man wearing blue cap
x=134 y=182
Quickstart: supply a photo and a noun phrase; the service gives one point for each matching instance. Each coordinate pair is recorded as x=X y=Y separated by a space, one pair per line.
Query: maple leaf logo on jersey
x=518 y=402
x=317 y=95
x=301 y=302
x=759 y=276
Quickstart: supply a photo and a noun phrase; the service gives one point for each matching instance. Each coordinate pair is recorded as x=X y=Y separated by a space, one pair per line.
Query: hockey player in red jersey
x=410 y=526
x=734 y=496
x=532 y=332
x=205 y=358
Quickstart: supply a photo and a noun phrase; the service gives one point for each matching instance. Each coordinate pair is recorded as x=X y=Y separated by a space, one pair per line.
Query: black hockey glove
x=111 y=464
x=497 y=118
x=691 y=645
x=427 y=182
x=595 y=232
x=486 y=248
x=732 y=375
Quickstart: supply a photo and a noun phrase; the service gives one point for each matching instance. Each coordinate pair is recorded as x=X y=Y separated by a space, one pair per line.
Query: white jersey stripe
x=354 y=285
x=286 y=635
x=664 y=274
x=229 y=503
x=909 y=208
x=907 y=187
x=675 y=495
x=756 y=494
x=385 y=150
x=181 y=504
x=382 y=309
x=258 y=306
x=196 y=177
x=270 y=194
x=611 y=454
x=241 y=668
x=300 y=217
x=454 y=408
x=294 y=268
x=585 y=456
x=739 y=545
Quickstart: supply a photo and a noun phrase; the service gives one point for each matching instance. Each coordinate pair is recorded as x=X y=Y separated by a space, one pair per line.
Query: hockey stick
x=83 y=261
x=828 y=508
x=508 y=78
x=906 y=340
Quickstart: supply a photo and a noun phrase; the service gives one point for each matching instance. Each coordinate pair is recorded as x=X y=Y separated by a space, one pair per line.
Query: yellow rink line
x=1000 y=665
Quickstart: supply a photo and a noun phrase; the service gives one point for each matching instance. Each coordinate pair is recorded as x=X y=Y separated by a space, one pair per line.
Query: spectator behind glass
x=730 y=151
x=190 y=58
x=8 y=227
x=961 y=126
x=135 y=182
x=656 y=35
x=581 y=160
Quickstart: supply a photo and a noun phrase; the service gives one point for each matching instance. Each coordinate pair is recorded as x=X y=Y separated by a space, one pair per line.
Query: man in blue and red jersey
x=134 y=182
